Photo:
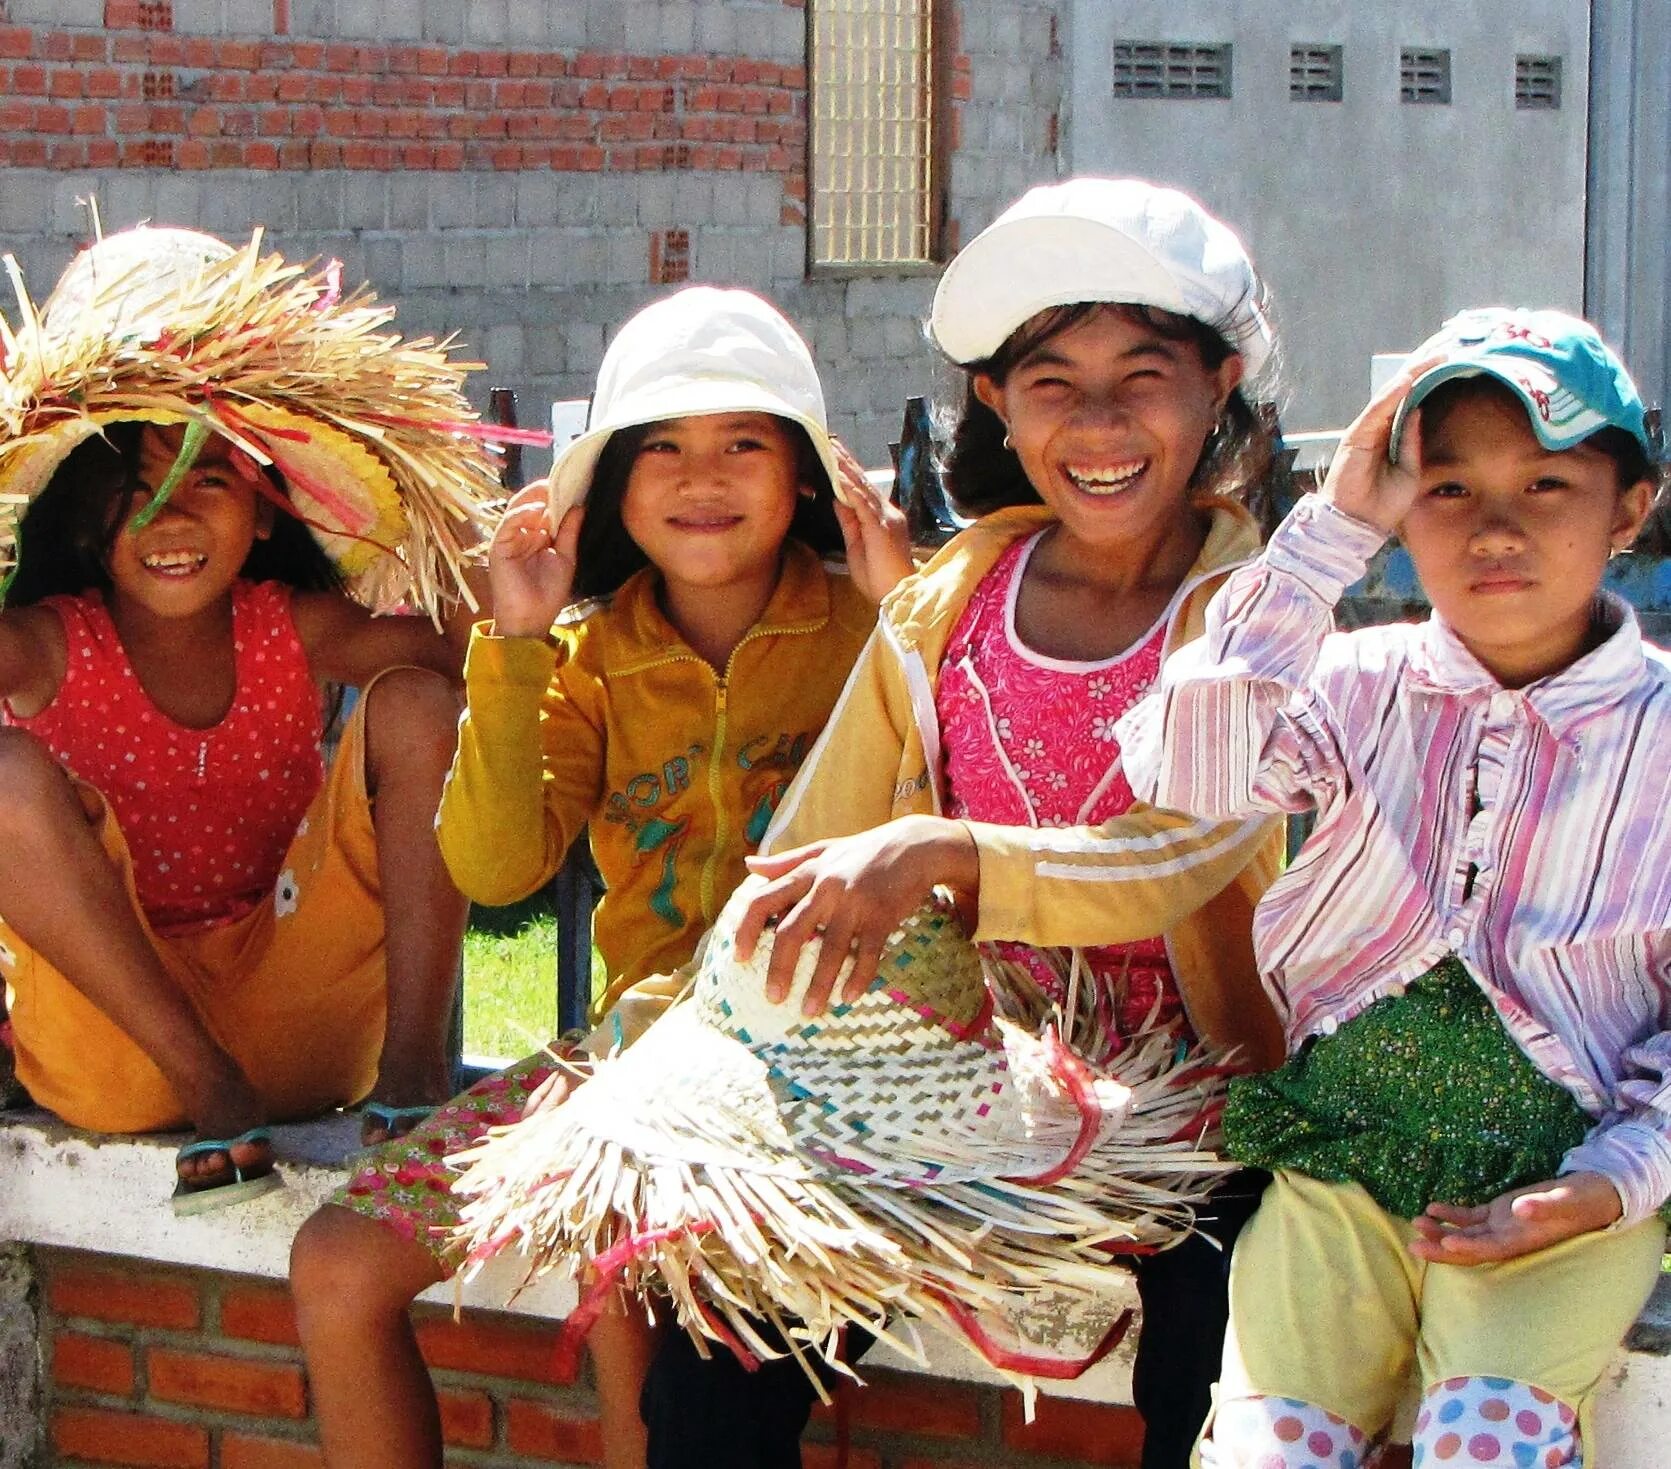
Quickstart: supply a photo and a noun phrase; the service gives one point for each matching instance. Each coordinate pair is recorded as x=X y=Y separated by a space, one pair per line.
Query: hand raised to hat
x=531 y=568
x=1362 y=481
x=849 y=894
x=873 y=527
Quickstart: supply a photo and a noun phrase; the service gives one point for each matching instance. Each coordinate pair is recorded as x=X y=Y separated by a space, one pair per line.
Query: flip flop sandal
x=193 y=1196
x=396 y=1121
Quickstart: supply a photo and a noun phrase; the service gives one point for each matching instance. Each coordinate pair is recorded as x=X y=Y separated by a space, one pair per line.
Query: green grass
x=510 y=979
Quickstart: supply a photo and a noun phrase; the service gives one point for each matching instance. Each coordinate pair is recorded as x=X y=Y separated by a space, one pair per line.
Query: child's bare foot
x=405 y=1094
x=224 y=1108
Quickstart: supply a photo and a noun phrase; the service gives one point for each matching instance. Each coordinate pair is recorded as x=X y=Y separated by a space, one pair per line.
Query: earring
x=1008 y=444
x=808 y=493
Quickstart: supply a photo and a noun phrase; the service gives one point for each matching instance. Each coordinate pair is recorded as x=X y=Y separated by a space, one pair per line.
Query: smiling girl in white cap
x=665 y=717
x=1107 y=328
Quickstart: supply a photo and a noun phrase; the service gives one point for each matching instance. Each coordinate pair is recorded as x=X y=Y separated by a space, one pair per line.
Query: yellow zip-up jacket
x=675 y=769
x=1149 y=871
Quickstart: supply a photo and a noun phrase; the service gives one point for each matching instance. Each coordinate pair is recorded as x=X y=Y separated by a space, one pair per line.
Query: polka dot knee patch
x=1280 y=1433
x=1494 y=1423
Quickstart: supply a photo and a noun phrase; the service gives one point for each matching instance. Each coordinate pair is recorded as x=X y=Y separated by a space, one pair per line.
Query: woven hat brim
x=910 y=1155
x=340 y=490
x=383 y=454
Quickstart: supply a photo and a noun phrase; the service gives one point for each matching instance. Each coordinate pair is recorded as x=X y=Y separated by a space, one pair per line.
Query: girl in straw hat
x=1110 y=331
x=199 y=926
x=666 y=717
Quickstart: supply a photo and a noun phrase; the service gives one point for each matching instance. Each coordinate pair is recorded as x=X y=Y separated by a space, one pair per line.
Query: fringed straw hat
x=383 y=456
x=935 y=1151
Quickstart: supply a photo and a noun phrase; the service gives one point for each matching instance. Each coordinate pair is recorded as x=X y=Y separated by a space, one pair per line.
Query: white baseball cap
x=1094 y=239
x=702 y=350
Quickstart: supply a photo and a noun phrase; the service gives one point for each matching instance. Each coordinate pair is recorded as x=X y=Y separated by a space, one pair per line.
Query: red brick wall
x=195 y=1370
x=137 y=95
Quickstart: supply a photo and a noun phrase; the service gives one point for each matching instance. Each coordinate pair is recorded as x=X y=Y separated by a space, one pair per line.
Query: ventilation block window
x=1171 y=69
x=874 y=163
x=1537 y=83
x=1424 y=75
x=1316 y=73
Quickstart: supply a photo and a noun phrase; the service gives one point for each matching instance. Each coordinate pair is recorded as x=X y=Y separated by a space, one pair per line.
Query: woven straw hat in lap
x=935 y=1151
x=383 y=456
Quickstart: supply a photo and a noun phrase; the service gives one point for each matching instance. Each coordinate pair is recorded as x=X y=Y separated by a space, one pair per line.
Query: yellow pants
x=294 y=990
x=1327 y=1305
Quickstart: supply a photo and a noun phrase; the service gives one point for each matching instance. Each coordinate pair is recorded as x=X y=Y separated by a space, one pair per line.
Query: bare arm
x=348 y=645
x=31 y=658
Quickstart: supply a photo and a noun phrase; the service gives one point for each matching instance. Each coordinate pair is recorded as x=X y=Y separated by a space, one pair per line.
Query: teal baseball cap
x=1571 y=382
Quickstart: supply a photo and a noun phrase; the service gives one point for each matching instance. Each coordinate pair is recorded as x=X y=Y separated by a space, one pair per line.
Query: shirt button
x=1502 y=705
x=1455 y=934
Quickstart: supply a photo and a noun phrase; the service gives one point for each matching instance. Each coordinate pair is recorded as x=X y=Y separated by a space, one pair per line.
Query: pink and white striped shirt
x=1528 y=831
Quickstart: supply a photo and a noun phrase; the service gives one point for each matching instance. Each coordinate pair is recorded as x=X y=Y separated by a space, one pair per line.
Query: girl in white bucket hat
x=665 y=717
x=1111 y=332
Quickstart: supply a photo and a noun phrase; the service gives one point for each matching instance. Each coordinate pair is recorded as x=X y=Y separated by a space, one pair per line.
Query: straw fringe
x=250 y=332
x=691 y=1168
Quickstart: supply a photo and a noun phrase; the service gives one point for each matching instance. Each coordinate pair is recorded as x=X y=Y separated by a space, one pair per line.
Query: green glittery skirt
x=1424 y=1096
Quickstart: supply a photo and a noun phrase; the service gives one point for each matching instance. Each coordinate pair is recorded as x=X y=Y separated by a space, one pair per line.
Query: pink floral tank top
x=208 y=814
x=1029 y=741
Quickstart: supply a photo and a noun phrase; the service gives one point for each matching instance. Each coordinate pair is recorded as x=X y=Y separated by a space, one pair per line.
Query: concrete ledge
x=86 y=1191
x=110 y=1195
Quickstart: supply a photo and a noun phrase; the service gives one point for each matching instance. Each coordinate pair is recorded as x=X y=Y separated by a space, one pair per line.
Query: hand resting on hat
x=852 y=892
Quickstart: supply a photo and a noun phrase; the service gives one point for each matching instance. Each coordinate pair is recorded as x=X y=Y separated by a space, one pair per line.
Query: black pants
x=703 y=1414
x=1186 y=1306
x=715 y=1414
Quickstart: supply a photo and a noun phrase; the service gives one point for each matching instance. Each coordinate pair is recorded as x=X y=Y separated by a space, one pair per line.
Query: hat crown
x=683 y=352
x=930 y=983
x=1570 y=347
x=1100 y=239
x=154 y=266
x=1572 y=383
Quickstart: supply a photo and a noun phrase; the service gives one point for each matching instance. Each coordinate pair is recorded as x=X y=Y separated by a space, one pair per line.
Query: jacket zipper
x=722 y=687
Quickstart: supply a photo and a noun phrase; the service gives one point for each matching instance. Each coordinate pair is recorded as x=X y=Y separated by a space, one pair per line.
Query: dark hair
x=982 y=474
x=65 y=538
x=606 y=555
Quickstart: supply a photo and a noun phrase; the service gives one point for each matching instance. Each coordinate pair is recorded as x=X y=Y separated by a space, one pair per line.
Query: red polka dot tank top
x=208 y=814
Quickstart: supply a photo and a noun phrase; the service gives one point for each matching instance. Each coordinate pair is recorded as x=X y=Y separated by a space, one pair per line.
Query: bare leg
x=411 y=729
x=82 y=923
x=621 y=1342
x=354 y=1282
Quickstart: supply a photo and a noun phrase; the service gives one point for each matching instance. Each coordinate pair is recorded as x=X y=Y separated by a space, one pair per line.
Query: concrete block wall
x=523 y=175
x=193 y=1369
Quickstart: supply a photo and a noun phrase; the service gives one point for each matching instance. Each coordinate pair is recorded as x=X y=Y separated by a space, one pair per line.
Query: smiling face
x=709 y=499
x=186 y=559
x=1509 y=538
x=1109 y=418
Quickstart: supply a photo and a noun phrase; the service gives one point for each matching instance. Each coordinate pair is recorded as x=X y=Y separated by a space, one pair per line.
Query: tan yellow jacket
x=618 y=726
x=1148 y=871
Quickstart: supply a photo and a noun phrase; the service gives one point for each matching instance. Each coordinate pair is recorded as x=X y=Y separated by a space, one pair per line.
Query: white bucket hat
x=700 y=351
x=1093 y=239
